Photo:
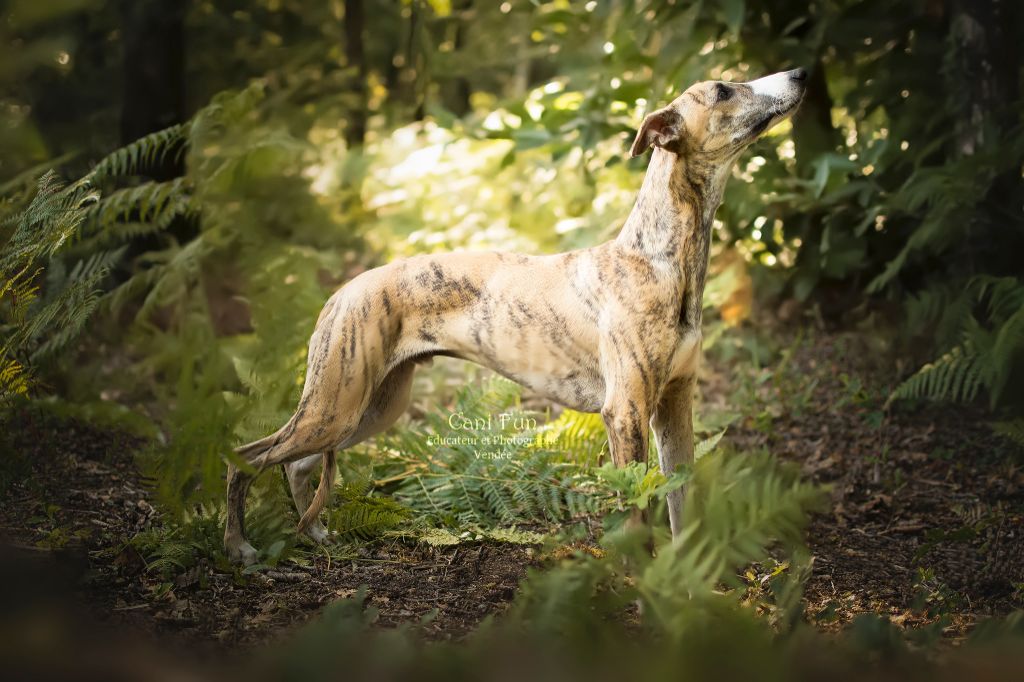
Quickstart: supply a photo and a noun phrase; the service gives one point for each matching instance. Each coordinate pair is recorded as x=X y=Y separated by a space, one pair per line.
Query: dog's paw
x=242 y=553
x=320 y=535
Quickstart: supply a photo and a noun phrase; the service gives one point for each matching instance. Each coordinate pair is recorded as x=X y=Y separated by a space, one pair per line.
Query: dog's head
x=715 y=120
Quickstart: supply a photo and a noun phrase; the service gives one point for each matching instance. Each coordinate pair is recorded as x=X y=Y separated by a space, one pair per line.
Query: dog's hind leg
x=344 y=371
x=329 y=412
x=353 y=416
x=308 y=432
x=388 y=402
x=236 y=546
x=238 y=482
x=299 y=474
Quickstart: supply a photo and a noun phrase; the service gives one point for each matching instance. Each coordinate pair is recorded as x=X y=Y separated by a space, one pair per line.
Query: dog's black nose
x=798 y=74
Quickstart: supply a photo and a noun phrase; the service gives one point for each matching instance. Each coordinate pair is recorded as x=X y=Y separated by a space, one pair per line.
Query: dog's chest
x=686 y=355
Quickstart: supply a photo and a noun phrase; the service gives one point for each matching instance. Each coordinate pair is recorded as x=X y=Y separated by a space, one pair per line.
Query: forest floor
x=83 y=501
x=926 y=513
x=924 y=525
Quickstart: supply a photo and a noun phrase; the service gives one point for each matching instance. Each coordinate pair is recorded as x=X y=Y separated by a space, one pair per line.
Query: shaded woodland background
x=184 y=183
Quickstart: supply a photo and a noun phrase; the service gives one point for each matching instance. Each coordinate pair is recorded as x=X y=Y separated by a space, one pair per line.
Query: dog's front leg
x=673 y=434
x=625 y=418
x=626 y=412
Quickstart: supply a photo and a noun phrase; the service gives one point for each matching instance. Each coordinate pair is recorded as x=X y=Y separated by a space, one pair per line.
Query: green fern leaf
x=134 y=158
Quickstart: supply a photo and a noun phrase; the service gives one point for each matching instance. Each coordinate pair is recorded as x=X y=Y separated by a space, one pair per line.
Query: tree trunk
x=355 y=55
x=154 y=74
x=813 y=133
x=982 y=69
x=458 y=88
x=414 y=62
x=982 y=93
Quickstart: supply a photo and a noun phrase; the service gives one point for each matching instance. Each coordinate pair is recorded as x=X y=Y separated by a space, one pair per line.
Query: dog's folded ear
x=660 y=128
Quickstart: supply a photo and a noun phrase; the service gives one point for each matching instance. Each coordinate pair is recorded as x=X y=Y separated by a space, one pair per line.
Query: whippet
x=614 y=329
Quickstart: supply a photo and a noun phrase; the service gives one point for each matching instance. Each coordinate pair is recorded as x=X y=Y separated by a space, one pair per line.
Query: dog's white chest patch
x=687 y=354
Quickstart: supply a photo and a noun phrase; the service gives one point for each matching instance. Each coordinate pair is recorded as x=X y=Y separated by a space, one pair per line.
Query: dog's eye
x=722 y=92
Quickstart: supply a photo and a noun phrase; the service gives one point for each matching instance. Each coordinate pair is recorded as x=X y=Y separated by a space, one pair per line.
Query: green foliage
x=736 y=506
x=1013 y=430
x=638 y=483
x=188 y=471
x=954 y=376
x=578 y=614
x=211 y=389
x=490 y=480
x=580 y=435
x=356 y=515
x=947 y=200
x=39 y=319
x=990 y=351
x=170 y=550
x=707 y=445
x=694 y=611
x=14 y=381
x=136 y=157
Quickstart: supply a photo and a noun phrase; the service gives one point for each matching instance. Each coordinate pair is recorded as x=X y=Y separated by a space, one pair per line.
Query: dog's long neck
x=670 y=224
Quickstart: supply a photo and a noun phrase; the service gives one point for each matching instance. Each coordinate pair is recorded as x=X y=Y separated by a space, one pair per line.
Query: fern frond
x=366 y=518
x=132 y=159
x=64 y=316
x=992 y=344
x=41 y=319
x=581 y=435
x=169 y=277
x=14 y=378
x=954 y=376
x=51 y=218
x=942 y=308
x=737 y=506
x=19 y=290
x=1013 y=430
x=154 y=203
x=707 y=445
x=169 y=550
x=1008 y=346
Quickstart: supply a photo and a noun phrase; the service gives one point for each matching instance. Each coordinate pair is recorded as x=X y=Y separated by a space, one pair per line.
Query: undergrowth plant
x=695 y=614
x=416 y=482
x=737 y=507
x=581 y=612
x=492 y=474
x=988 y=319
x=357 y=515
x=44 y=302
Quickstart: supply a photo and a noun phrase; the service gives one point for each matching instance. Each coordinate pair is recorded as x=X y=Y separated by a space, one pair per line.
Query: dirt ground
x=927 y=504
x=925 y=522
x=104 y=504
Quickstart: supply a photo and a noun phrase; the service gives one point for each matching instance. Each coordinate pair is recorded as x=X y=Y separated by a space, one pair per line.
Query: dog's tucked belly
x=580 y=389
x=540 y=347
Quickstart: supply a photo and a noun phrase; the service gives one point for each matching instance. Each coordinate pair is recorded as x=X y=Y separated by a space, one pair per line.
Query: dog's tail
x=323 y=491
x=257 y=447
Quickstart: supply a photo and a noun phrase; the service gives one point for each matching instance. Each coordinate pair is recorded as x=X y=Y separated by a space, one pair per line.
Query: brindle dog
x=615 y=328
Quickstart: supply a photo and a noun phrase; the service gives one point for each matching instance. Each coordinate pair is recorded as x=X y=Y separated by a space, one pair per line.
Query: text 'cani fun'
x=458 y=421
